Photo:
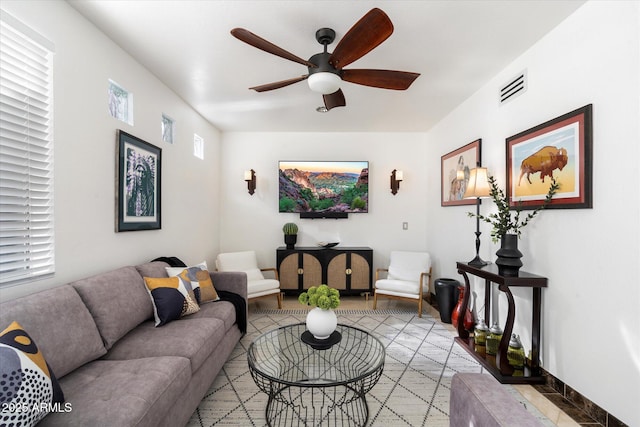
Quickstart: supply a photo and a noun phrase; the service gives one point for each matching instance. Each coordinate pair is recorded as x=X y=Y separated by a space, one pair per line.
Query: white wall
x=591 y=334
x=253 y=222
x=85 y=155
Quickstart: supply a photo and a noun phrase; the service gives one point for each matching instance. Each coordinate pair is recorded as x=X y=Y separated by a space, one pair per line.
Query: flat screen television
x=323 y=187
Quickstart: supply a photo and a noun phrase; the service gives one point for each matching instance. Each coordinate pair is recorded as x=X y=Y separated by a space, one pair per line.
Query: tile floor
x=413 y=391
x=551 y=404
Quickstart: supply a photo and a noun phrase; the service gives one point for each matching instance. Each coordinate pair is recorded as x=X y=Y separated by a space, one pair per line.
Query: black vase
x=509 y=261
x=446 y=297
x=290 y=240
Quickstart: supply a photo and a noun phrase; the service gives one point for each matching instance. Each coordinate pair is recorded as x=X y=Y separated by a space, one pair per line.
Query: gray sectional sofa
x=114 y=367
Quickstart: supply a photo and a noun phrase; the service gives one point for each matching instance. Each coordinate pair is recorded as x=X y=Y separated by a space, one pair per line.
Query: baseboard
x=579 y=401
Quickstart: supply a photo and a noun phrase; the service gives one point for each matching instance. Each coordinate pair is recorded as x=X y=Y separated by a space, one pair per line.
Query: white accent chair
x=408 y=277
x=257 y=285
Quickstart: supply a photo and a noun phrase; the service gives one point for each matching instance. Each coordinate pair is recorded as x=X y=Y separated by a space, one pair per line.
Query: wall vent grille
x=514 y=88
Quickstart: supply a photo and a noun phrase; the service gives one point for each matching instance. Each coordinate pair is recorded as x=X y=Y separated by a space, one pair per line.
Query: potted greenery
x=508 y=224
x=290 y=230
x=322 y=296
x=322 y=320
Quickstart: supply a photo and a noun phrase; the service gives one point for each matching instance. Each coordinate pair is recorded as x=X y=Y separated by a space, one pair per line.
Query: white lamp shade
x=399 y=176
x=324 y=83
x=247 y=175
x=478 y=185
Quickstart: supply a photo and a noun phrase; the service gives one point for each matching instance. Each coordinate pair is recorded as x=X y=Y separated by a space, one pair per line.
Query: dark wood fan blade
x=335 y=99
x=278 y=85
x=262 y=44
x=385 y=79
x=371 y=30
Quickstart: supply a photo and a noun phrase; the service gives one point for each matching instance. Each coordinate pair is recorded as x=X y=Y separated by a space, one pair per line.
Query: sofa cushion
x=192 y=338
x=153 y=269
x=26 y=378
x=400 y=287
x=171 y=299
x=117 y=300
x=258 y=288
x=122 y=393
x=222 y=310
x=60 y=323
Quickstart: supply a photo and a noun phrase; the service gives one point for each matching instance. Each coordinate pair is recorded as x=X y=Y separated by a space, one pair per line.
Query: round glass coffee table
x=314 y=387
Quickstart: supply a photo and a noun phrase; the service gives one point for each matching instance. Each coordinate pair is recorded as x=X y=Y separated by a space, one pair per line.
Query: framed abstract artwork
x=560 y=148
x=455 y=168
x=137 y=184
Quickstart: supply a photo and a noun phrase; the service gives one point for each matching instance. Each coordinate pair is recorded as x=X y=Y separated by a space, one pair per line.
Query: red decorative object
x=467 y=321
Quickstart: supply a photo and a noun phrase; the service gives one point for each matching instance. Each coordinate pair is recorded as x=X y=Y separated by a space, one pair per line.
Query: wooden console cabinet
x=350 y=270
x=499 y=366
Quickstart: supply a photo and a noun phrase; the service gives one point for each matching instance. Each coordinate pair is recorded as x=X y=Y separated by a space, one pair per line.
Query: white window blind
x=26 y=155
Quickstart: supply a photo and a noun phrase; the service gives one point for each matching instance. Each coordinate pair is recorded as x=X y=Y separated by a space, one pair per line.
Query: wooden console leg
x=501 y=358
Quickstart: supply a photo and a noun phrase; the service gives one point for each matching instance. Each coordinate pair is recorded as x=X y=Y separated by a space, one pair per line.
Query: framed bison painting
x=560 y=148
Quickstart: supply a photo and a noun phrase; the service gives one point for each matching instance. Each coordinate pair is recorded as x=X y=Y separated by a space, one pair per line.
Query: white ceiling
x=456 y=46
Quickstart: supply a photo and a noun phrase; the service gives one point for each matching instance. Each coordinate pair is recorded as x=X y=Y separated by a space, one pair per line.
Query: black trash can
x=446 y=297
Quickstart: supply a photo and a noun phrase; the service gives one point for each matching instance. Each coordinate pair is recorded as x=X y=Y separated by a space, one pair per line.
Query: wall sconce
x=396 y=177
x=478 y=186
x=250 y=177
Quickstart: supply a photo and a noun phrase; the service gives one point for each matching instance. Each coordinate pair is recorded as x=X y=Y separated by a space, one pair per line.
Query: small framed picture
x=455 y=169
x=137 y=184
x=560 y=148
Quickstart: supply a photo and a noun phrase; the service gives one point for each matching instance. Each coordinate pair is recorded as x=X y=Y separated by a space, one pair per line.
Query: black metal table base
x=317 y=406
x=311 y=386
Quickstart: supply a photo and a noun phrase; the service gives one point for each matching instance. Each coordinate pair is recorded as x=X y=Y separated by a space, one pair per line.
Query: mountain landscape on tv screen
x=323 y=192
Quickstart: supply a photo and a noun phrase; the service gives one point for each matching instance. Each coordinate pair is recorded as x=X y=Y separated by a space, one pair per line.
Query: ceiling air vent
x=514 y=88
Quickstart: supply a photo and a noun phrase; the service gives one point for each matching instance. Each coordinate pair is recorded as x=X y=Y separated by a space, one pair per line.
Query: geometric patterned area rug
x=421 y=358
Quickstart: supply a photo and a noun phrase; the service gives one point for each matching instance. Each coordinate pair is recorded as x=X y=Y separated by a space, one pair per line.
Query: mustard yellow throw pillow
x=197 y=279
x=170 y=299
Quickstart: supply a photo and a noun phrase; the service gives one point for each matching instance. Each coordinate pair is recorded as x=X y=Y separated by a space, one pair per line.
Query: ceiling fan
x=325 y=70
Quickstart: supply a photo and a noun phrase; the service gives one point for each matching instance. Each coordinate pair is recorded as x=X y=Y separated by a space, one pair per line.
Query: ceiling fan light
x=324 y=82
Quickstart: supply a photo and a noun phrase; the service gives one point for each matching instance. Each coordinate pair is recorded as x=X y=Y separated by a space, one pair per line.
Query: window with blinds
x=26 y=154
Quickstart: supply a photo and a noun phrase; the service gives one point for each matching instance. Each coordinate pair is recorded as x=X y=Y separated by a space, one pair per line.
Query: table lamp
x=477 y=187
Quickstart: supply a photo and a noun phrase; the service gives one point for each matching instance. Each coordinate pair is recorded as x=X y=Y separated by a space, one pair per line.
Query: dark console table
x=500 y=367
x=348 y=269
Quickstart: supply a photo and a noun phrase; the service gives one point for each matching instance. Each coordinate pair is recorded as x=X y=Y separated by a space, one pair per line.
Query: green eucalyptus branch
x=504 y=222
